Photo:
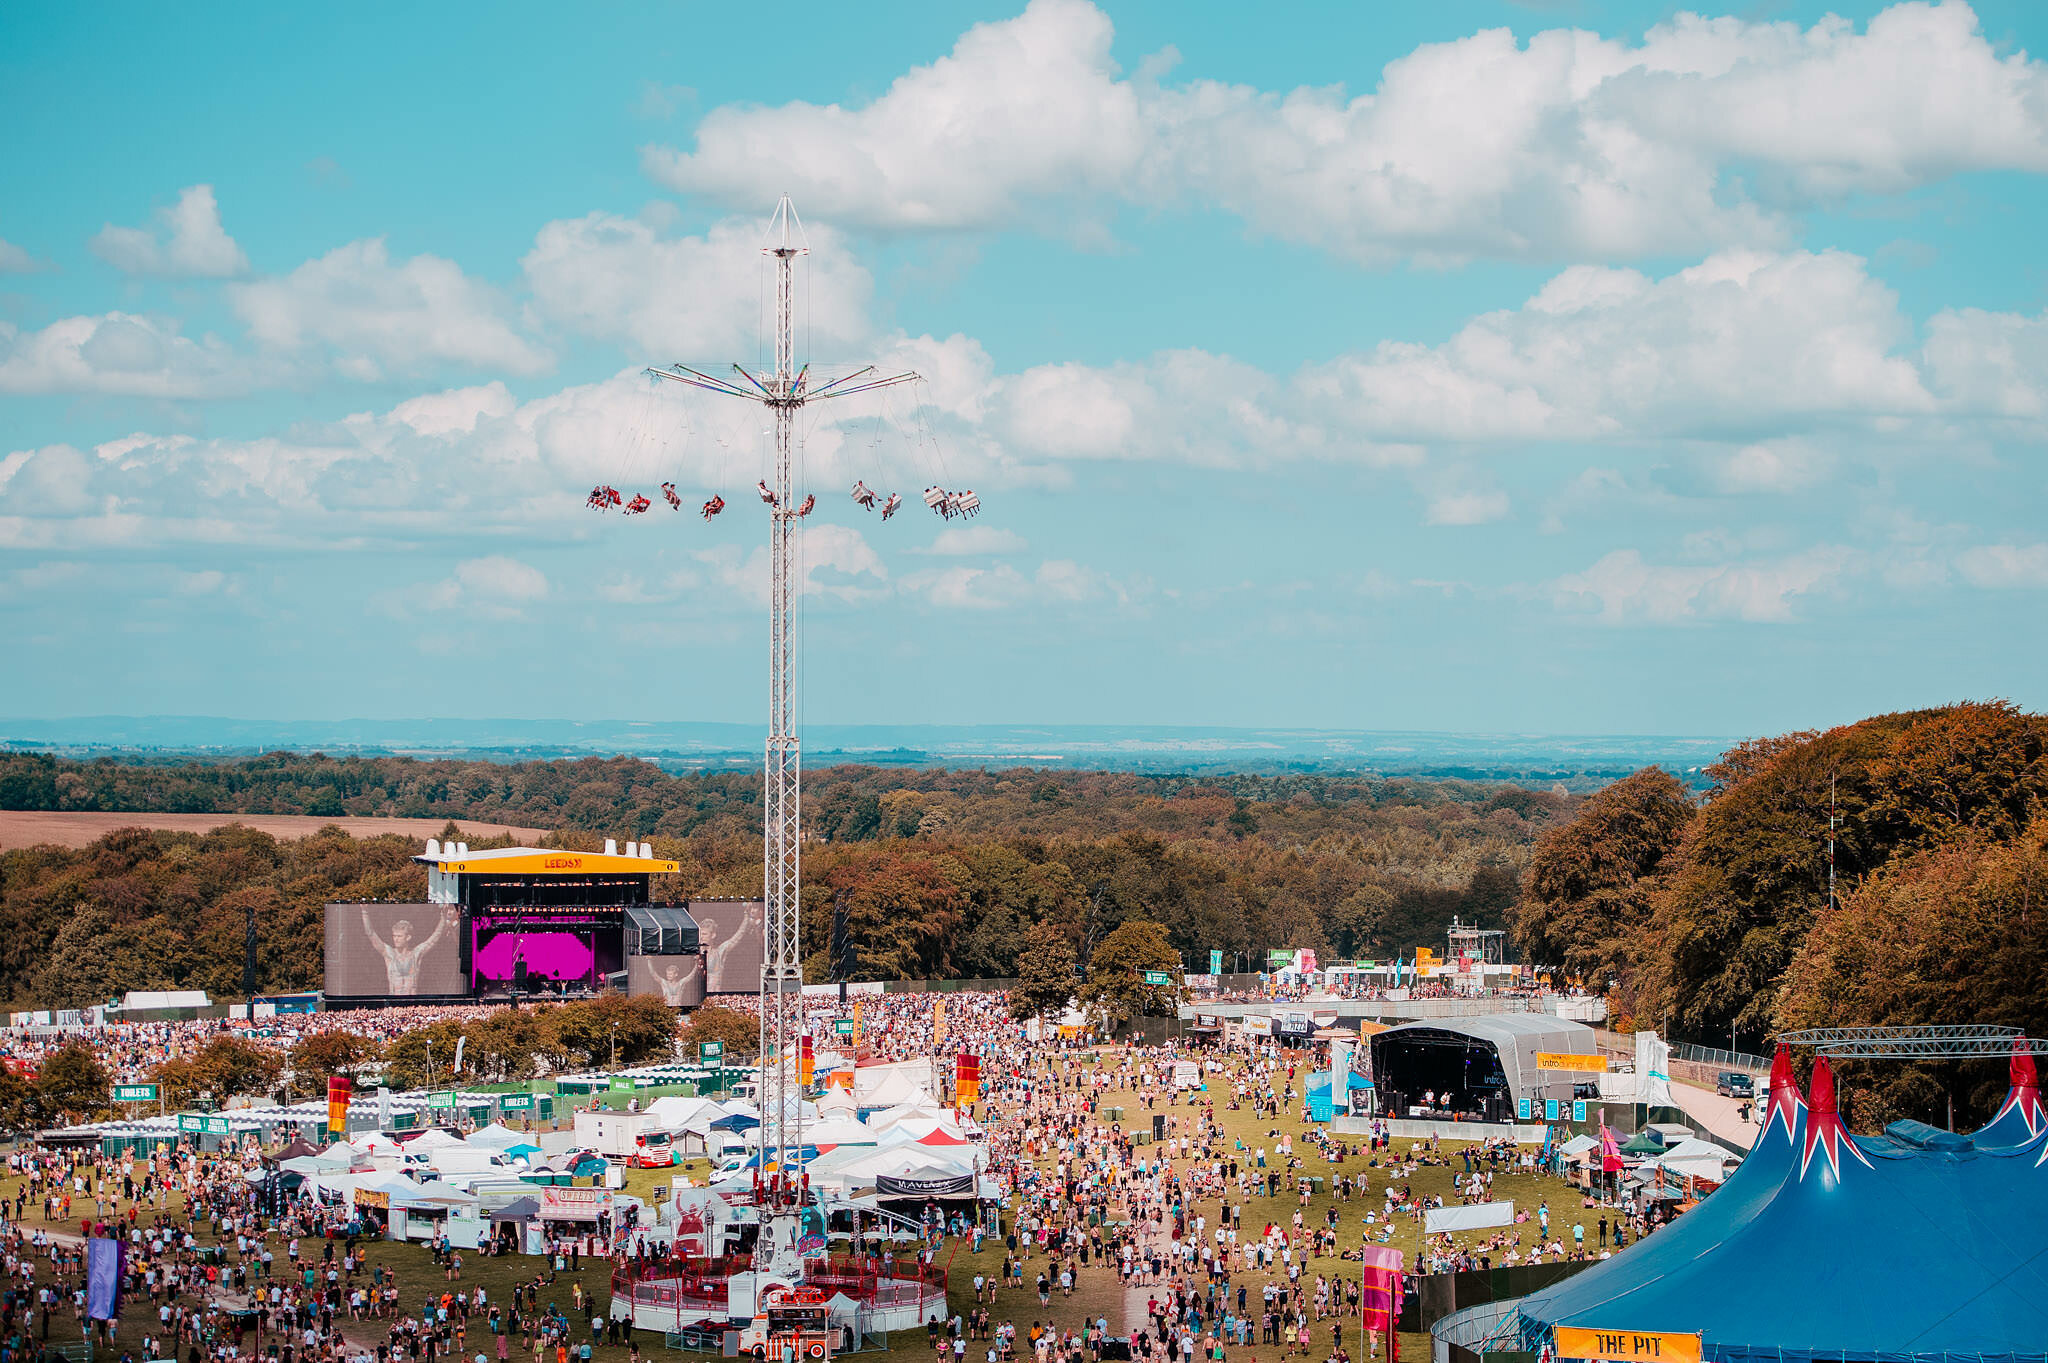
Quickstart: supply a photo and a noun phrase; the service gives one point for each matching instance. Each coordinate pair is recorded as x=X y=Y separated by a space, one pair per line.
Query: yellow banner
x=1629 y=1345
x=856 y=1025
x=1584 y=1064
x=938 y=1021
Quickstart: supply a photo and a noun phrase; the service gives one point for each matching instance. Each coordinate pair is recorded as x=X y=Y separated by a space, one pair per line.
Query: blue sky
x=1569 y=368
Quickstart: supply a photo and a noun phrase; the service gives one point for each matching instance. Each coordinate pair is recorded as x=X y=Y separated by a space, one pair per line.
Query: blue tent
x=734 y=1121
x=1320 y=1107
x=1917 y=1245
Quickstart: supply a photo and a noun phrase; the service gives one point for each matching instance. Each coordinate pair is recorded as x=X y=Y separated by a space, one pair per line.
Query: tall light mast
x=784 y=393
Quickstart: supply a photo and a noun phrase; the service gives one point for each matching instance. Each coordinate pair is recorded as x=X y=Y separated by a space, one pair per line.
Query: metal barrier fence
x=1718 y=1059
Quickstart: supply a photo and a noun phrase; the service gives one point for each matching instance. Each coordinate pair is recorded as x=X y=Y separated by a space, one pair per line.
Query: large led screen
x=571 y=947
x=677 y=981
x=729 y=935
x=394 y=950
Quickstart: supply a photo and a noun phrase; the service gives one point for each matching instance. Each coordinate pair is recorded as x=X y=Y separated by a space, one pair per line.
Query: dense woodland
x=940 y=870
x=1715 y=915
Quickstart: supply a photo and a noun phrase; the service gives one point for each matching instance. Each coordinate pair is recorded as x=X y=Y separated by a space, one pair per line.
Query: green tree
x=1116 y=990
x=1045 y=972
x=592 y=1032
x=740 y=1033
x=317 y=1055
x=1590 y=886
x=73 y=1081
x=21 y=1105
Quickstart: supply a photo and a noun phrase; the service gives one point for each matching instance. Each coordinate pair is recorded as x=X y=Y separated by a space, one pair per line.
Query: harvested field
x=26 y=828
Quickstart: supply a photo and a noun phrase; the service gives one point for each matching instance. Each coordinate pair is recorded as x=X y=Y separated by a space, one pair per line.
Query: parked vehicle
x=1735 y=1084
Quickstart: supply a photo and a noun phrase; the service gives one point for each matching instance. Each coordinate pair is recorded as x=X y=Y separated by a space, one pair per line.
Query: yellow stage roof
x=538 y=861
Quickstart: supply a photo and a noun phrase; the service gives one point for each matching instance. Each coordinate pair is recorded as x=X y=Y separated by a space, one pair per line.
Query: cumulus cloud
x=377 y=315
x=969 y=541
x=188 y=242
x=1568 y=145
x=694 y=299
x=496 y=587
x=1624 y=588
x=1001 y=586
x=1467 y=508
x=16 y=260
x=124 y=353
x=2005 y=565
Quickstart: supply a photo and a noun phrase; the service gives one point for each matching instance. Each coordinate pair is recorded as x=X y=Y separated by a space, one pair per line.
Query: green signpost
x=135 y=1093
x=622 y=1083
x=191 y=1121
x=1158 y=977
x=441 y=1100
x=516 y=1102
x=843 y=1027
x=711 y=1053
x=216 y=1126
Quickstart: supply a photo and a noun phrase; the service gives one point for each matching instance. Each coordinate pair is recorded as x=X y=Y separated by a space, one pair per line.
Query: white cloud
x=496 y=587
x=1467 y=508
x=376 y=315
x=1021 y=109
x=1625 y=589
x=2005 y=565
x=1001 y=587
x=690 y=299
x=197 y=246
x=833 y=561
x=16 y=260
x=1789 y=464
x=965 y=541
x=1566 y=145
x=123 y=353
x=1995 y=363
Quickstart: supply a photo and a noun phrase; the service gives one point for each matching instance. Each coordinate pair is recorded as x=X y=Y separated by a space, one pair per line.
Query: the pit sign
x=1627 y=1346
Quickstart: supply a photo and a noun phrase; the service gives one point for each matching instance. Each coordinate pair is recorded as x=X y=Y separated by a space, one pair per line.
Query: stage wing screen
x=729 y=933
x=677 y=981
x=392 y=950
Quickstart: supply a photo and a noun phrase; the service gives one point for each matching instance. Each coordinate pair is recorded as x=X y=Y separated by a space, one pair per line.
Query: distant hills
x=1570 y=759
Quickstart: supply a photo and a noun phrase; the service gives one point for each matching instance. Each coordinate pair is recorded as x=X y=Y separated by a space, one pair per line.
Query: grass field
x=1097 y=1294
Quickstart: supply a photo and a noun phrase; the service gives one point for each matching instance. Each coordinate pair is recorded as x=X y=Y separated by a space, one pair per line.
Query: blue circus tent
x=1915 y=1246
x=2021 y=1117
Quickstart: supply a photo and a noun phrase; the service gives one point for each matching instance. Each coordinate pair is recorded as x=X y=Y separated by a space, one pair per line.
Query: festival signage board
x=217 y=1126
x=711 y=1053
x=135 y=1093
x=621 y=1083
x=191 y=1121
x=843 y=1027
x=1627 y=1346
x=1577 y=1064
x=1158 y=977
x=516 y=1102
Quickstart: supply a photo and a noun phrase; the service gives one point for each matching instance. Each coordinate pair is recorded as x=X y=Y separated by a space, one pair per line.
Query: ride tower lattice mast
x=784 y=393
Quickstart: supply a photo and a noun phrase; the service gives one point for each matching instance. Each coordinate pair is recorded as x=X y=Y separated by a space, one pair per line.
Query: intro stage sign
x=1627 y=1346
x=1581 y=1064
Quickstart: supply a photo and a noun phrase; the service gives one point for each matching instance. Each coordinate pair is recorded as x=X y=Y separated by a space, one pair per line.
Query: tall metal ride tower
x=783 y=393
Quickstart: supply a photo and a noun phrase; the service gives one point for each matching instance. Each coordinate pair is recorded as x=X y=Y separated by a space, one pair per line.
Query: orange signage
x=1627 y=1346
x=1587 y=1064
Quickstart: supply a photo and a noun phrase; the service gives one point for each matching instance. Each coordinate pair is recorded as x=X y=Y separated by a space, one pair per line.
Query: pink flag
x=1380 y=1299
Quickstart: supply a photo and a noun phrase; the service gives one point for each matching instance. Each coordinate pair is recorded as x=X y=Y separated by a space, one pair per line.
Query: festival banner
x=939 y=1021
x=103 y=1270
x=966 y=1080
x=806 y=1061
x=1380 y=1298
x=1577 y=1064
x=339 y=1089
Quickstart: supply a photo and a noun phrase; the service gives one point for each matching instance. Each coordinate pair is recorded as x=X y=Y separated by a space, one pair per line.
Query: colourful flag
x=1380 y=1299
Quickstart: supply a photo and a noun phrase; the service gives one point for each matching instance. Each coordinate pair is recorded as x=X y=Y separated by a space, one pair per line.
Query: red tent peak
x=2024 y=1074
x=1821 y=1100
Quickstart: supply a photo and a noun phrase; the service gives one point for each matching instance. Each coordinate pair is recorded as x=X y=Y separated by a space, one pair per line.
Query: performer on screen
x=673 y=985
x=402 y=960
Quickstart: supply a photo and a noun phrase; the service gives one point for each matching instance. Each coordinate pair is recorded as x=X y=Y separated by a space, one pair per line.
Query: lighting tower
x=783 y=392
